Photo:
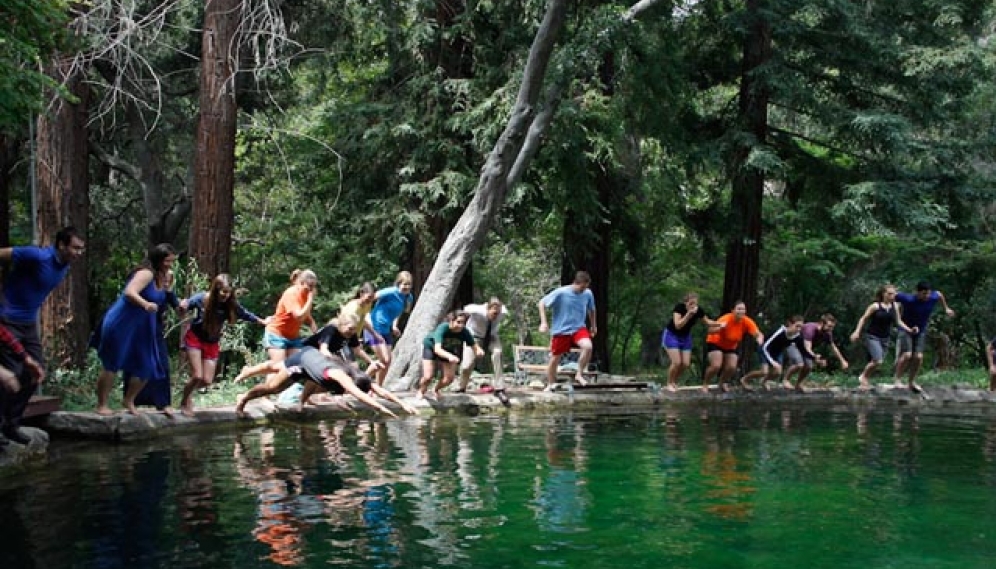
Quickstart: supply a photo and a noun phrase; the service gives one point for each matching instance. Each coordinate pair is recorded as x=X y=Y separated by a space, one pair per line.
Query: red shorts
x=208 y=350
x=563 y=343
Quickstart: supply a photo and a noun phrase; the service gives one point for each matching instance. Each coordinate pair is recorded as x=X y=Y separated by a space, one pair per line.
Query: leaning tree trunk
x=743 y=253
x=212 y=218
x=63 y=199
x=470 y=230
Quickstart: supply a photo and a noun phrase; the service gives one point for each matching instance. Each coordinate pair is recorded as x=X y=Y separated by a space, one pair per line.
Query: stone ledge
x=122 y=427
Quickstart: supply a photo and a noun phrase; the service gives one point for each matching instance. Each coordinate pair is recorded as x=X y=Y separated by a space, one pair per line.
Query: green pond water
x=694 y=488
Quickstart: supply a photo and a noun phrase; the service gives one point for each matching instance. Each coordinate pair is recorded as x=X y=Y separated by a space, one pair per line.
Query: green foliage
x=31 y=31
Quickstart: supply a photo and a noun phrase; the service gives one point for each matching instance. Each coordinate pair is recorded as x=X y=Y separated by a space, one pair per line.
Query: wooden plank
x=616 y=385
x=40 y=405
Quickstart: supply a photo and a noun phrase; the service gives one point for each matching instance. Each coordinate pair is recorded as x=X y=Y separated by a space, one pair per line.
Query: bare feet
x=419 y=395
x=705 y=389
x=743 y=383
x=863 y=384
x=105 y=411
x=438 y=395
x=580 y=380
x=788 y=385
x=168 y=411
x=674 y=388
x=240 y=406
x=243 y=373
x=130 y=407
x=188 y=410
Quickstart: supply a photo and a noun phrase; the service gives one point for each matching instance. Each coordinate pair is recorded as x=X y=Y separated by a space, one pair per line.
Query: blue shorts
x=371 y=340
x=672 y=341
x=271 y=340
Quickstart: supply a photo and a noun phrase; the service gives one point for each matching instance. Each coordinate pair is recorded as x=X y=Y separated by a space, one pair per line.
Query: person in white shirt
x=484 y=323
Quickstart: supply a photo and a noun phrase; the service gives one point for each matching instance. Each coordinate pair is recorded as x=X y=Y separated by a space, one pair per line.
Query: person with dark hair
x=773 y=349
x=813 y=334
x=573 y=306
x=910 y=344
x=202 y=341
x=34 y=272
x=128 y=340
x=445 y=344
x=677 y=336
x=484 y=322
x=723 y=343
x=311 y=366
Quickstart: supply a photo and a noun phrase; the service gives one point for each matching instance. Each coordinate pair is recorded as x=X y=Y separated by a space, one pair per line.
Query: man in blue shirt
x=916 y=310
x=33 y=273
x=572 y=305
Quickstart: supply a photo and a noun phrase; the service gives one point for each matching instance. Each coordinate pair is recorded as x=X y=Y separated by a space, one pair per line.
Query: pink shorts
x=208 y=350
x=563 y=343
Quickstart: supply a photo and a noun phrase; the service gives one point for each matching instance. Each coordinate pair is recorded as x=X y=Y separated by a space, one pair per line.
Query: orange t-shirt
x=728 y=337
x=284 y=324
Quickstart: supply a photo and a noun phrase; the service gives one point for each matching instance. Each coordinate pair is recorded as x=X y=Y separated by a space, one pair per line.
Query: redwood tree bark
x=743 y=252
x=212 y=218
x=63 y=199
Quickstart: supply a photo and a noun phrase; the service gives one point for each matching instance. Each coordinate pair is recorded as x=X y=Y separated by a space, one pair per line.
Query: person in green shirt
x=445 y=345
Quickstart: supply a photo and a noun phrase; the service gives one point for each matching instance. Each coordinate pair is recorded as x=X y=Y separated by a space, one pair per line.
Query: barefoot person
x=32 y=274
x=391 y=303
x=677 y=336
x=813 y=334
x=572 y=306
x=128 y=336
x=283 y=333
x=773 y=349
x=484 y=322
x=722 y=345
x=308 y=364
x=212 y=310
x=443 y=345
x=880 y=316
x=910 y=344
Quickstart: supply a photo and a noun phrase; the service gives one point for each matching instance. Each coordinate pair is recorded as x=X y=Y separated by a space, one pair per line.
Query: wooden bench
x=534 y=359
x=41 y=405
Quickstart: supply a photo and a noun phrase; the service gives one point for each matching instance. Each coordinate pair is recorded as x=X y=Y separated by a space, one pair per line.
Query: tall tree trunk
x=468 y=235
x=212 y=218
x=10 y=150
x=743 y=253
x=63 y=199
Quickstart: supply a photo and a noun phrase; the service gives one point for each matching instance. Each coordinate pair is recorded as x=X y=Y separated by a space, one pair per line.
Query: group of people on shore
x=793 y=342
x=130 y=339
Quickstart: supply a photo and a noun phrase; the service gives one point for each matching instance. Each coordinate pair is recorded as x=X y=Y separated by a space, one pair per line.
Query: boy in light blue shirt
x=572 y=305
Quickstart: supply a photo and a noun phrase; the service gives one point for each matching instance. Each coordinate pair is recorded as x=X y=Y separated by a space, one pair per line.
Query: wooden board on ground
x=40 y=405
x=533 y=360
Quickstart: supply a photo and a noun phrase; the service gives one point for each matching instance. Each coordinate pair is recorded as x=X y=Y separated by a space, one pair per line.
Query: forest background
x=796 y=154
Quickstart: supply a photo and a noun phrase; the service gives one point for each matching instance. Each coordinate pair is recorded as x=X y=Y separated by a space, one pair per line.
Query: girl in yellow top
x=283 y=333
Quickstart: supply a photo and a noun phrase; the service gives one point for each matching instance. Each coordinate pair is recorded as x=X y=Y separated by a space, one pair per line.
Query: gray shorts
x=906 y=343
x=794 y=357
x=876 y=347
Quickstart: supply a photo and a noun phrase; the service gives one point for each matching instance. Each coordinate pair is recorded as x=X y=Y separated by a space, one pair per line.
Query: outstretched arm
x=347 y=384
x=385 y=394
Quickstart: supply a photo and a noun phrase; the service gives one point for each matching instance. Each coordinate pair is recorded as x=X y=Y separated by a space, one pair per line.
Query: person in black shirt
x=677 y=336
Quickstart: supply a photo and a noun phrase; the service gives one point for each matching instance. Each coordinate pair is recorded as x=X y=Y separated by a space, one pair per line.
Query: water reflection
x=696 y=488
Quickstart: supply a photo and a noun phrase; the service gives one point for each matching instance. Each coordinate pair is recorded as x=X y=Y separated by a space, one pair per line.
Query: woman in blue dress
x=129 y=335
